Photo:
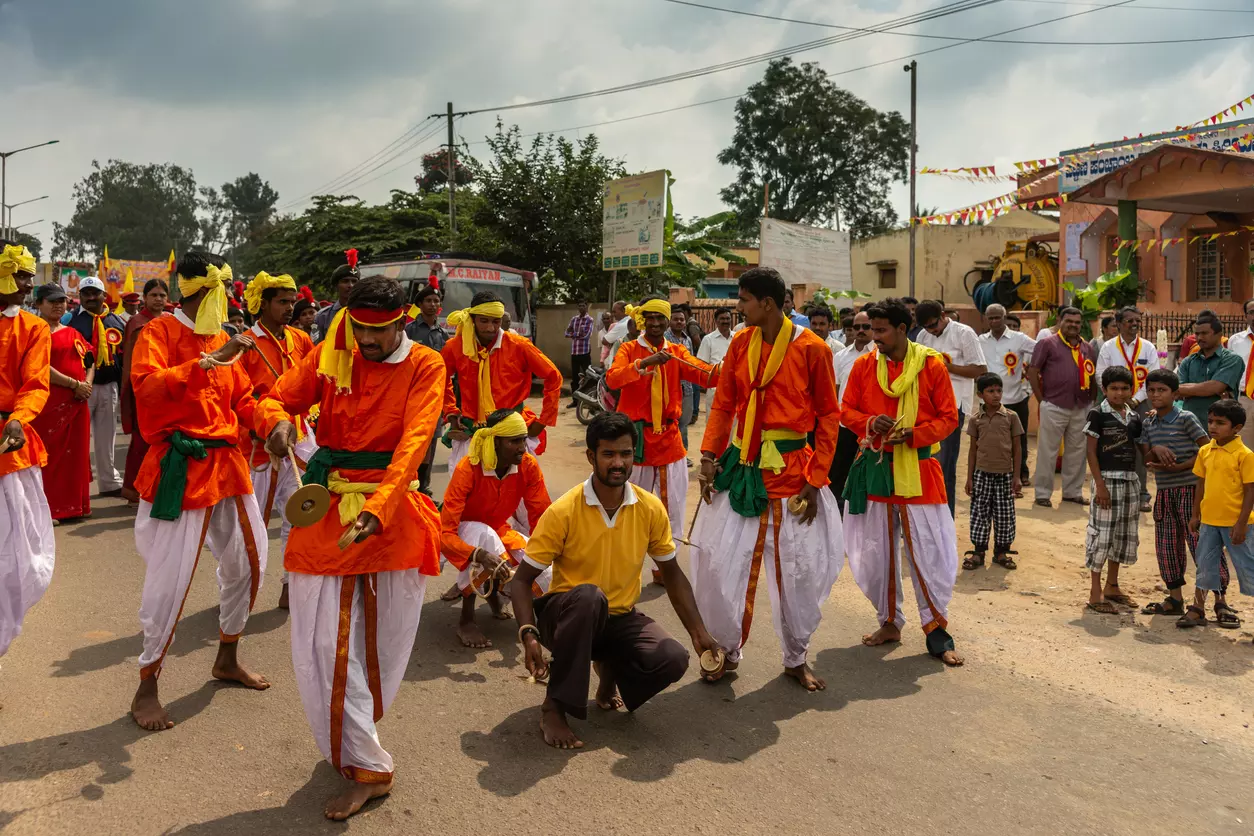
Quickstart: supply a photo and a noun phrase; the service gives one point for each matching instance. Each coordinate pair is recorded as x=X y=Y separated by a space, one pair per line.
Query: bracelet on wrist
x=526 y=629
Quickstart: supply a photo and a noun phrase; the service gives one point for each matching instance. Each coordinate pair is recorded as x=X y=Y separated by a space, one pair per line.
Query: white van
x=460 y=279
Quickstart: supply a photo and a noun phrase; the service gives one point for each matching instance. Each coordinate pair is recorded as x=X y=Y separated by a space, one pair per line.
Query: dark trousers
x=846 y=452
x=949 y=460
x=424 y=469
x=1021 y=409
x=579 y=363
x=577 y=628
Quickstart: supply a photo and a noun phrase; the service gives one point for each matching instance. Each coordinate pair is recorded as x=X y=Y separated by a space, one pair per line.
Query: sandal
x=975 y=561
x=1226 y=617
x=1004 y=560
x=1104 y=607
x=1121 y=599
x=1194 y=616
x=1169 y=606
x=1076 y=500
x=1043 y=503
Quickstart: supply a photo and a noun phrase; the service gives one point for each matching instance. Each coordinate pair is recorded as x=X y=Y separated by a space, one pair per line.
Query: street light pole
x=4 y=175
x=9 y=207
x=913 y=69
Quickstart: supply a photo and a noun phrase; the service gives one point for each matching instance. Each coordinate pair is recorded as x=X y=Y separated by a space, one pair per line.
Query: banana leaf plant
x=1110 y=292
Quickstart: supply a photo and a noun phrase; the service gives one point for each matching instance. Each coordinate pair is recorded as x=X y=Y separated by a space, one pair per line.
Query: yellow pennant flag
x=127 y=287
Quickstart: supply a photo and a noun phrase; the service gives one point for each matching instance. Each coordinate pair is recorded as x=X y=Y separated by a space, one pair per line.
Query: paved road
x=1060 y=723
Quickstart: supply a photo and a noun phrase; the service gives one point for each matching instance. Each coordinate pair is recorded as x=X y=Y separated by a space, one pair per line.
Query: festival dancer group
x=235 y=424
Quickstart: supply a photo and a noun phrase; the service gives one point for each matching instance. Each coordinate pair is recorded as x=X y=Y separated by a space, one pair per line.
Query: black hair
x=788 y=292
x=928 y=309
x=609 y=426
x=1012 y=318
x=1229 y=409
x=483 y=297
x=909 y=300
x=378 y=293
x=428 y=290
x=1208 y=317
x=1126 y=311
x=763 y=283
x=195 y=264
x=1109 y=319
x=1166 y=377
x=301 y=306
x=986 y=380
x=343 y=272
x=822 y=310
x=1068 y=310
x=151 y=284
x=894 y=310
x=499 y=416
x=579 y=300
x=722 y=311
x=1116 y=374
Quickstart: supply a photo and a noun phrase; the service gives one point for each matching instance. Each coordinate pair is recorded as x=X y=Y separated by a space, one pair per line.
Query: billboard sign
x=1095 y=163
x=634 y=222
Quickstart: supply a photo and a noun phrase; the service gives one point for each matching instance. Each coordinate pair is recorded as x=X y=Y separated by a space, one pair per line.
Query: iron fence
x=1179 y=325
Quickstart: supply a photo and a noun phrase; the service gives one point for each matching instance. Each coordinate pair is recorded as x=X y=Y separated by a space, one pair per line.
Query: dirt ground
x=1062 y=720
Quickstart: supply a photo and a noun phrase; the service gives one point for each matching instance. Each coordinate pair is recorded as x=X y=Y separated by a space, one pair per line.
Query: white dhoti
x=235 y=534
x=519 y=521
x=668 y=483
x=273 y=493
x=874 y=541
x=351 y=640
x=479 y=535
x=801 y=563
x=27 y=548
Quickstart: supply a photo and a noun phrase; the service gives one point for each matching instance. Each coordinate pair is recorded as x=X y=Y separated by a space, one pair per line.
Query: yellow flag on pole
x=127 y=287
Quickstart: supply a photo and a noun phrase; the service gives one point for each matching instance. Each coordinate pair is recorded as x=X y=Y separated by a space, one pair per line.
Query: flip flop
x=1120 y=599
x=1104 y=607
x=1169 y=606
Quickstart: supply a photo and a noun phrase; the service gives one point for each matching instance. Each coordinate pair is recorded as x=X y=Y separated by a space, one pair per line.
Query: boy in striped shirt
x=1170 y=438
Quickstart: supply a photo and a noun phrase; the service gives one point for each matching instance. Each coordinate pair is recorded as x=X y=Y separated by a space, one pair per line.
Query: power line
x=1140 y=7
x=409 y=161
x=957 y=38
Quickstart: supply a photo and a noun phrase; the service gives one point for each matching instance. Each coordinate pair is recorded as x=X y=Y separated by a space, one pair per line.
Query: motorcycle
x=593 y=396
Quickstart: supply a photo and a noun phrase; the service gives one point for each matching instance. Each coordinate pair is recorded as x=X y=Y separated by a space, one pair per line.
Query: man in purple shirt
x=579 y=332
x=1060 y=364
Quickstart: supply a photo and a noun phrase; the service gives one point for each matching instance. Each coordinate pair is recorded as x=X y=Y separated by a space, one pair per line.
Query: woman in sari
x=65 y=422
x=156 y=295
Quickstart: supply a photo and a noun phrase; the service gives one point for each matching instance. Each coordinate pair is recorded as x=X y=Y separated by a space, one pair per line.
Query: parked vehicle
x=593 y=397
x=460 y=279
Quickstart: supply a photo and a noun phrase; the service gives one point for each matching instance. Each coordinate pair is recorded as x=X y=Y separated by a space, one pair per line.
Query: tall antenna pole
x=912 y=68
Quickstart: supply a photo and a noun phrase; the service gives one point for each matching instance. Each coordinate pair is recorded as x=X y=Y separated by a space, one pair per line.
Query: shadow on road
x=675 y=726
x=194 y=632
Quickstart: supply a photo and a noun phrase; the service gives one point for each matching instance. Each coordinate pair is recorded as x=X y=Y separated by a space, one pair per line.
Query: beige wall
x=551 y=322
x=944 y=255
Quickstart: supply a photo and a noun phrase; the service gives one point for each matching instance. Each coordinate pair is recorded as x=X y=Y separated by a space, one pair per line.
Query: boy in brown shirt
x=993 y=465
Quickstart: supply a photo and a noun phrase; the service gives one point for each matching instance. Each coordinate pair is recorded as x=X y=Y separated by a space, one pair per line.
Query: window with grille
x=888 y=277
x=1211 y=283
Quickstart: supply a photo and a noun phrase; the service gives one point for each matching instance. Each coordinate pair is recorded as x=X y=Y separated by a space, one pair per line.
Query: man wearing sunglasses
x=859 y=331
x=964 y=359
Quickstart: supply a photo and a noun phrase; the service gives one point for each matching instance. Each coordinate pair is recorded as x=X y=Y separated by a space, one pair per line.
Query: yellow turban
x=461 y=320
x=637 y=312
x=262 y=282
x=14 y=258
x=483 y=442
x=212 y=311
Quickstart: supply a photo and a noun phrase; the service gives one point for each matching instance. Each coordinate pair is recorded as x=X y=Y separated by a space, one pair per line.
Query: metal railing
x=1179 y=325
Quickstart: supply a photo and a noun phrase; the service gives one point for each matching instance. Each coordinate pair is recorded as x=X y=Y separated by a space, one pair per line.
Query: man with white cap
x=103 y=330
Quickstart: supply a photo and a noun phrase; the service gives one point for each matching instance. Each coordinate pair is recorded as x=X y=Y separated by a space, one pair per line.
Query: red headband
x=375 y=317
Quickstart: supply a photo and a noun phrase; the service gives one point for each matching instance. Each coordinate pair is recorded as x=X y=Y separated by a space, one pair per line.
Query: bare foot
x=227 y=668
x=555 y=729
x=887 y=634
x=283 y=605
x=499 y=610
x=352 y=799
x=472 y=636
x=806 y=677
x=607 y=698
x=454 y=592
x=147 y=710
x=951 y=658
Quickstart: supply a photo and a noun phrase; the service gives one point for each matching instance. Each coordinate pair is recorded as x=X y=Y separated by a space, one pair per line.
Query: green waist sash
x=321 y=463
x=872 y=476
x=641 y=426
x=167 y=503
x=743 y=482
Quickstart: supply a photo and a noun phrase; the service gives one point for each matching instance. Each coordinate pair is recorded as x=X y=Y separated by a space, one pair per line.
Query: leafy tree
x=824 y=152
x=434 y=175
x=543 y=203
x=141 y=211
x=28 y=241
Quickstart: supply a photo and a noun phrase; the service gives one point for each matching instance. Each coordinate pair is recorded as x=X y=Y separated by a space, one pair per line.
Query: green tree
x=28 y=241
x=543 y=202
x=825 y=153
x=434 y=176
x=140 y=211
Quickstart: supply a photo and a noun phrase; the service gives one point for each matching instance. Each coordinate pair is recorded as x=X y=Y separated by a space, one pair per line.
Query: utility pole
x=452 y=211
x=913 y=69
x=4 y=176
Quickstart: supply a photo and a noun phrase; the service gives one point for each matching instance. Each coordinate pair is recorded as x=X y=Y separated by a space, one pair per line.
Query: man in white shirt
x=714 y=345
x=1006 y=353
x=965 y=360
x=847 y=441
x=821 y=324
x=618 y=330
x=1140 y=357
x=1242 y=344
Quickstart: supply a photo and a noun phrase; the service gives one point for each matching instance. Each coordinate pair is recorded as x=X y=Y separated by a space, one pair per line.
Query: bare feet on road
x=885 y=635
x=607 y=689
x=147 y=709
x=472 y=636
x=805 y=676
x=352 y=799
x=555 y=729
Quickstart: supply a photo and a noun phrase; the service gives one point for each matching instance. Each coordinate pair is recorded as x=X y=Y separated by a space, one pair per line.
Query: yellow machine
x=1024 y=278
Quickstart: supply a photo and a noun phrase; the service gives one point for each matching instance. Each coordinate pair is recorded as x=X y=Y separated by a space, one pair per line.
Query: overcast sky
x=301 y=91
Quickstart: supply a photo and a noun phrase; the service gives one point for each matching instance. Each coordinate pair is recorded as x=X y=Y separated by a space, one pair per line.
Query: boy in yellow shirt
x=1222 y=510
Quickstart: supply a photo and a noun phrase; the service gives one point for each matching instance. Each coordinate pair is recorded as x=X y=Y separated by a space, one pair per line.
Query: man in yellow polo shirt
x=596 y=537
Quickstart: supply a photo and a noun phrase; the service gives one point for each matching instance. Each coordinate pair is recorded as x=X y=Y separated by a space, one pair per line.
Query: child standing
x=1170 y=438
x=993 y=465
x=1221 y=513
x=1113 y=430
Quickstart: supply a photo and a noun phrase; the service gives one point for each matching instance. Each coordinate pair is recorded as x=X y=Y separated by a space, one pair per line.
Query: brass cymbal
x=712 y=662
x=308 y=505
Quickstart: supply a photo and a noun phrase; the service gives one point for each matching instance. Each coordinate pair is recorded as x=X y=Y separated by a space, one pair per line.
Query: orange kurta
x=263 y=380
x=514 y=361
x=475 y=496
x=25 y=360
x=393 y=407
x=636 y=398
x=801 y=397
x=172 y=392
x=937 y=418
